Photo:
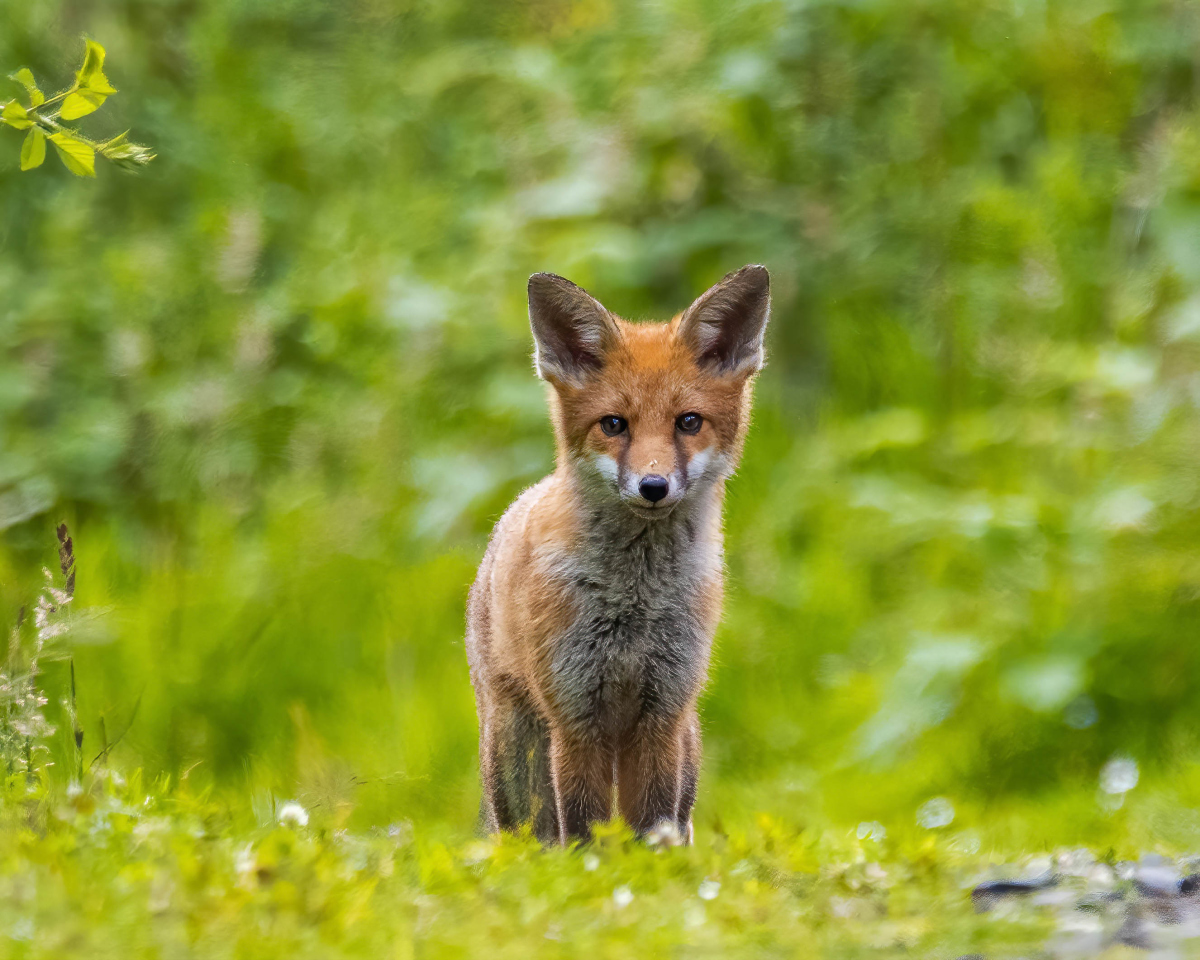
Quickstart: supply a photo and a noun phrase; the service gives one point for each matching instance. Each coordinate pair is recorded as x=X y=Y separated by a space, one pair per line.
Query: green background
x=279 y=383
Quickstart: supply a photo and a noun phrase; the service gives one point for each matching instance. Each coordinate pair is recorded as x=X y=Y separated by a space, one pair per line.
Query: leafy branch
x=42 y=117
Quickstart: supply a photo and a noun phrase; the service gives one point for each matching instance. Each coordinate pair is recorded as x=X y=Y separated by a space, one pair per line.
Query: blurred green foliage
x=279 y=383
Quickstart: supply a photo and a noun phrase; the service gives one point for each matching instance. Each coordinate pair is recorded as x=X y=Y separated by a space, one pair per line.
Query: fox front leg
x=581 y=769
x=656 y=775
x=689 y=775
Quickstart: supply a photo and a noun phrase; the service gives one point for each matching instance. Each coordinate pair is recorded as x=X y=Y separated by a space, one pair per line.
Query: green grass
x=128 y=868
x=134 y=870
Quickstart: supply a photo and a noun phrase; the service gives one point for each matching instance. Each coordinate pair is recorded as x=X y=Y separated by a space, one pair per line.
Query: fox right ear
x=725 y=326
x=571 y=329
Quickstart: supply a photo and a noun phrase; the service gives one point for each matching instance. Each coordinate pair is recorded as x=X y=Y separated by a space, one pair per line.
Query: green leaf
x=91 y=85
x=80 y=103
x=77 y=156
x=124 y=153
x=15 y=116
x=33 y=150
x=24 y=77
x=91 y=74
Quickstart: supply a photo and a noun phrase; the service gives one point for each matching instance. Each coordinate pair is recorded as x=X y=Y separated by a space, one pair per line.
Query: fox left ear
x=725 y=326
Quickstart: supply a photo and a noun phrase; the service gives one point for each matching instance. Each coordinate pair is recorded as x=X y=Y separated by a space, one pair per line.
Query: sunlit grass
x=134 y=869
x=120 y=866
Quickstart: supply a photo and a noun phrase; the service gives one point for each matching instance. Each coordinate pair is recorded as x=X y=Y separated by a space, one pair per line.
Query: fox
x=590 y=622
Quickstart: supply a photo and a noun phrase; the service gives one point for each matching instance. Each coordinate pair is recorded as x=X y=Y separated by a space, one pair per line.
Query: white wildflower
x=934 y=813
x=1119 y=775
x=871 y=830
x=294 y=814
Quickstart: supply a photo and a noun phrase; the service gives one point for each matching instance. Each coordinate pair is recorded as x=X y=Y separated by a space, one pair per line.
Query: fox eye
x=689 y=423
x=613 y=425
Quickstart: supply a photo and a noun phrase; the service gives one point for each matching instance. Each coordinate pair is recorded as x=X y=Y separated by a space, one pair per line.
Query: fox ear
x=571 y=329
x=725 y=326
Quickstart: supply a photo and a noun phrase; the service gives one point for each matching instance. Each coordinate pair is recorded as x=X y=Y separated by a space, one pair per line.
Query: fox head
x=649 y=414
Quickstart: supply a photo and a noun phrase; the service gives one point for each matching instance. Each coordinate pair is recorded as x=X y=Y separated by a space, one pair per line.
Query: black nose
x=653 y=487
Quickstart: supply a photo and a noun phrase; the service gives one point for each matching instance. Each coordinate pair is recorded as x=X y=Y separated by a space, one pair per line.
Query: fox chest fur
x=645 y=598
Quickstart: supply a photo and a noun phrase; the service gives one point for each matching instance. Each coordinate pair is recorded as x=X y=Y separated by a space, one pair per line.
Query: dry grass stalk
x=23 y=724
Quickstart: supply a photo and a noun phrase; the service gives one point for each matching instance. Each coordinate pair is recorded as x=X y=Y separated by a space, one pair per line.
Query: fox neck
x=684 y=541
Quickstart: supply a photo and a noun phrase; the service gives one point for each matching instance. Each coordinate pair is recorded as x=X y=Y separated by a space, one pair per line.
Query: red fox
x=590 y=622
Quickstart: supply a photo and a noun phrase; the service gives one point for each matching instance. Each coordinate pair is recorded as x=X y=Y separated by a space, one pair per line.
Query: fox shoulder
x=539 y=525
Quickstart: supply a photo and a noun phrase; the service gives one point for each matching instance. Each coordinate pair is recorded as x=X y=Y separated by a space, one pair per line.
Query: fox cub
x=591 y=619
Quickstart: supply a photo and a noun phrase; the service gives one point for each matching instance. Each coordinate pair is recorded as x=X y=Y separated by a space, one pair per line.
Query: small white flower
x=591 y=862
x=401 y=832
x=622 y=896
x=1119 y=775
x=871 y=830
x=477 y=852
x=294 y=814
x=938 y=812
x=709 y=890
x=243 y=861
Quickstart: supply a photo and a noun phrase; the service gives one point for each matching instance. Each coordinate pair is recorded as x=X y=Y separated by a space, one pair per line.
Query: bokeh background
x=279 y=383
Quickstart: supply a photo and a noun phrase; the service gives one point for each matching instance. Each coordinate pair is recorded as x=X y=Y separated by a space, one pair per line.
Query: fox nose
x=653 y=487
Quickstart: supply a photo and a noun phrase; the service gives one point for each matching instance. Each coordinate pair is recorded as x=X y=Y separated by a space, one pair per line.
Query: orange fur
x=592 y=615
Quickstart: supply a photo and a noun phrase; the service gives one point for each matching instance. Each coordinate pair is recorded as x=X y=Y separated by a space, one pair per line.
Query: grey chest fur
x=637 y=650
